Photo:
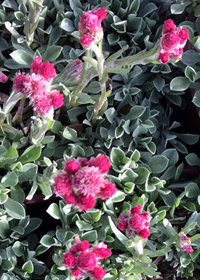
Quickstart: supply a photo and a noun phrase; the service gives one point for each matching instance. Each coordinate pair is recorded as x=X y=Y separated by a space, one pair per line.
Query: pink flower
x=36 y=86
x=69 y=260
x=172 y=42
x=86 y=41
x=56 y=99
x=102 y=162
x=41 y=104
x=101 y=13
x=122 y=225
x=83 y=161
x=137 y=209
x=144 y=233
x=169 y=41
x=84 y=202
x=102 y=253
x=71 y=166
x=184 y=243
x=183 y=35
x=89 y=26
x=76 y=273
x=83 y=246
x=135 y=222
x=164 y=57
x=3 y=77
x=89 y=23
x=61 y=185
x=169 y=26
x=88 y=180
x=18 y=82
x=97 y=272
x=107 y=190
x=83 y=181
x=188 y=249
x=45 y=69
x=84 y=260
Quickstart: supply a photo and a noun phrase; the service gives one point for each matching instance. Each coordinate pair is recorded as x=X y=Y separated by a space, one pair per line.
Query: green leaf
x=110 y=114
x=34 y=223
x=28 y=266
x=9 y=180
x=28 y=172
x=90 y=236
x=5 y=230
x=192 y=190
x=21 y=57
x=32 y=153
x=17 y=194
x=169 y=198
x=179 y=84
x=196 y=98
x=47 y=241
x=135 y=112
x=117 y=197
x=190 y=73
x=83 y=225
x=156 y=253
x=189 y=206
x=67 y=25
x=172 y=156
x=189 y=228
x=190 y=57
x=70 y=134
x=192 y=159
x=116 y=156
x=159 y=83
x=180 y=7
x=158 y=163
x=18 y=249
x=147 y=9
x=14 y=209
x=52 y=53
x=54 y=211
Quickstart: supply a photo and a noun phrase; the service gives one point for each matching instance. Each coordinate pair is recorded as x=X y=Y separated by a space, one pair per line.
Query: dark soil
x=169 y=273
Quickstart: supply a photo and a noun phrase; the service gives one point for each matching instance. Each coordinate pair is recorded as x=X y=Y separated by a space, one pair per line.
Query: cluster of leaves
x=136 y=130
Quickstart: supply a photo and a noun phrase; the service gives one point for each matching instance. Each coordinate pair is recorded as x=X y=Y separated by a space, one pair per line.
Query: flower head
x=83 y=181
x=84 y=259
x=90 y=28
x=184 y=243
x=45 y=69
x=135 y=222
x=172 y=42
x=36 y=86
x=3 y=77
x=86 y=41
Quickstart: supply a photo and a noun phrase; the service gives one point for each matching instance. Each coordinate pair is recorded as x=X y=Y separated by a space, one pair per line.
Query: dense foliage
x=112 y=140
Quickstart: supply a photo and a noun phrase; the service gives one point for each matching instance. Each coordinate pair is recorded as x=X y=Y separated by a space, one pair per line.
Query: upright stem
x=101 y=61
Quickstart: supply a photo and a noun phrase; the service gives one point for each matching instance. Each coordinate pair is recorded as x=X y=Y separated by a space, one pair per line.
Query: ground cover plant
x=95 y=145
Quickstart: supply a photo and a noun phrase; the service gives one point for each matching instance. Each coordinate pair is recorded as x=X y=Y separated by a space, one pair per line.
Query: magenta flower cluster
x=184 y=243
x=90 y=29
x=36 y=86
x=172 y=42
x=83 y=180
x=135 y=222
x=84 y=260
